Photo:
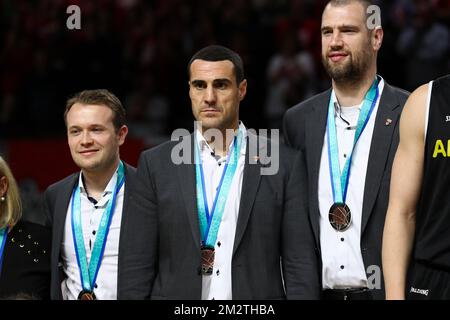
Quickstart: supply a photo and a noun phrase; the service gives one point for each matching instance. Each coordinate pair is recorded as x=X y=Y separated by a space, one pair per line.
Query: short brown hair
x=337 y=3
x=220 y=53
x=99 y=97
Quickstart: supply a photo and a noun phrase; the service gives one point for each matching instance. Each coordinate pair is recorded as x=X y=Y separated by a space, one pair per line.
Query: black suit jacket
x=304 y=128
x=162 y=260
x=57 y=199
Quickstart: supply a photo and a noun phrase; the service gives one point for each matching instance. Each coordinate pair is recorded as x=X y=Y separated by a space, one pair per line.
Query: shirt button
x=93 y=232
x=217 y=272
x=95 y=286
x=342 y=239
x=219 y=244
x=342 y=267
x=345 y=156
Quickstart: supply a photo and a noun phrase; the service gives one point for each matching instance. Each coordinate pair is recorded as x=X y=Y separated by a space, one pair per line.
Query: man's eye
x=198 y=85
x=221 y=85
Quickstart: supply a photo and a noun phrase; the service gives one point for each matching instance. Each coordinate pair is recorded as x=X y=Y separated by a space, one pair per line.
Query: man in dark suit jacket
x=261 y=249
x=84 y=201
x=350 y=248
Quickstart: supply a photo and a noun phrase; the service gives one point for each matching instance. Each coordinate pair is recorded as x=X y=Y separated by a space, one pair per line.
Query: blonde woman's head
x=10 y=205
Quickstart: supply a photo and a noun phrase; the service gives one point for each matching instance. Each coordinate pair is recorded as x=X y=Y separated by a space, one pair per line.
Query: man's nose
x=336 y=40
x=86 y=138
x=210 y=95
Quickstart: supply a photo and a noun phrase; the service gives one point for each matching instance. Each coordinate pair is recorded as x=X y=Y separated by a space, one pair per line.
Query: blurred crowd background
x=139 y=50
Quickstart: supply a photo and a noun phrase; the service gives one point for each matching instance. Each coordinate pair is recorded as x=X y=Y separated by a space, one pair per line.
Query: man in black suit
x=349 y=135
x=213 y=220
x=88 y=209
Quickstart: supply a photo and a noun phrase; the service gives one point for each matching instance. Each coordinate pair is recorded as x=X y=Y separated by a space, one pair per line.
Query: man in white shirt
x=215 y=226
x=88 y=208
x=349 y=135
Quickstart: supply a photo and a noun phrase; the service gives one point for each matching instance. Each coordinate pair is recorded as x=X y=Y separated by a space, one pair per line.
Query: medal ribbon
x=339 y=181
x=210 y=219
x=88 y=274
x=3 y=236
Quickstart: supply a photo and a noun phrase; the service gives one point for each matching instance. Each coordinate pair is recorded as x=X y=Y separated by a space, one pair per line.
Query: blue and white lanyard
x=210 y=219
x=340 y=181
x=3 y=236
x=88 y=274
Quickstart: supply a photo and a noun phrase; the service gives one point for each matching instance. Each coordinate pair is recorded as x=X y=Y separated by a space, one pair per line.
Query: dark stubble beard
x=352 y=71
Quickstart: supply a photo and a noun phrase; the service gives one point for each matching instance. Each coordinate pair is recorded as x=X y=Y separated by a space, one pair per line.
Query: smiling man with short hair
x=349 y=135
x=87 y=208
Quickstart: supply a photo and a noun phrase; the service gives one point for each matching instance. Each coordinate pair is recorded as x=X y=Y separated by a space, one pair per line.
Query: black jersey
x=432 y=245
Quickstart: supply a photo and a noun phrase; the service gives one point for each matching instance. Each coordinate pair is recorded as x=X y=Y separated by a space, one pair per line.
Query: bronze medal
x=86 y=295
x=340 y=216
x=207 y=260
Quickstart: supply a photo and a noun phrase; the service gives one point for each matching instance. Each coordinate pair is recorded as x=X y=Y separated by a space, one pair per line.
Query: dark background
x=139 y=50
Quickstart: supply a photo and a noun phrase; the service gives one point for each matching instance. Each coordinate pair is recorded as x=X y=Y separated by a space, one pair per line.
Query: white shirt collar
x=339 y=108
x=204 y=146
x=109 y=187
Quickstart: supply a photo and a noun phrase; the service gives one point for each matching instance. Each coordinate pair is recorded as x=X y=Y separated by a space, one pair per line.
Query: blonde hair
x=11 y=209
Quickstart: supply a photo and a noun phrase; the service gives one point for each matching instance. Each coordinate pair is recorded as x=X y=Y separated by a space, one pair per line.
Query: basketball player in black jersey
x=416 y=241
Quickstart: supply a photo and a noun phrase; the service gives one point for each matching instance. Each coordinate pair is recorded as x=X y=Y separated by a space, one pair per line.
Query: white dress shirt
x=106 y=284
x=218 y=286
x=343 y=265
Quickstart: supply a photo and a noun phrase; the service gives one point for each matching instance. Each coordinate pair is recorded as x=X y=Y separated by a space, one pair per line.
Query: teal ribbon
x=3 y=236
x=210 y=219
x=88 y=273
x=339 y=181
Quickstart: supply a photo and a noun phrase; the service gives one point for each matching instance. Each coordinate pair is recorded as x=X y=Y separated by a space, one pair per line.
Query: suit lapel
x=315 y=131
x=60 y=214
x=186 y=175
x=250 y=184
x=128 y=194
x=379 y=150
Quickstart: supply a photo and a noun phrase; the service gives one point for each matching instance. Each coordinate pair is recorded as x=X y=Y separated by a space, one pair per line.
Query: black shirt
x=432 y=245
x=25 y=272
